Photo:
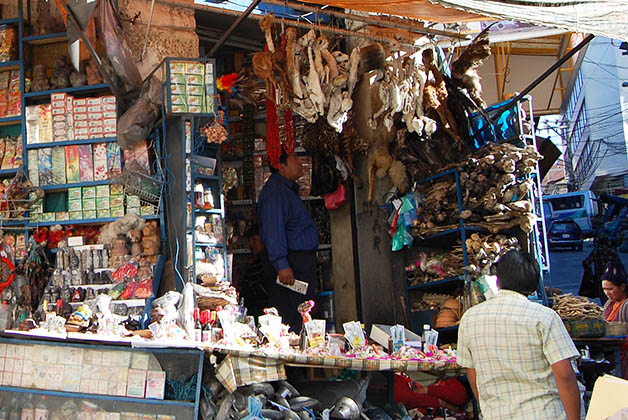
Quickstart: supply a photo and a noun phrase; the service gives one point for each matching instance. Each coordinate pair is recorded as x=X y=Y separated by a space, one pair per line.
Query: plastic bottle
x=28 y=409
x=41 y=409
x=197 y=325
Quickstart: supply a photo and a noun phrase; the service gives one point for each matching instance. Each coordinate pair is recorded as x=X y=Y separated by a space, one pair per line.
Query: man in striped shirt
x=517 y=352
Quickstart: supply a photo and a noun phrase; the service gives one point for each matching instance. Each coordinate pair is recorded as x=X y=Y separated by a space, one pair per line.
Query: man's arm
x=474 y=387
x=567 y=388
x=273 y=233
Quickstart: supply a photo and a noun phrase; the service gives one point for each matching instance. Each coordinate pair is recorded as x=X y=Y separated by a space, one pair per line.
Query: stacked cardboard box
x=192 y=87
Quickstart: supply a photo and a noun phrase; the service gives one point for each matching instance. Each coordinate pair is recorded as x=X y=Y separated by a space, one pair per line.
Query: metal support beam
x=90 y=48
x=547 y=72
x=232 y=28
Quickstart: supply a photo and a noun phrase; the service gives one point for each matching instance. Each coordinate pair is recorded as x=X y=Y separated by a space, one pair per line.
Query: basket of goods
x=616 y=328
x=581 y=317
x=220 y=294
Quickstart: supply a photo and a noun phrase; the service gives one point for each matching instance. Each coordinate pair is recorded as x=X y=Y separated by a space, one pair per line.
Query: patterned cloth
x=512 y=343
x=241 y=366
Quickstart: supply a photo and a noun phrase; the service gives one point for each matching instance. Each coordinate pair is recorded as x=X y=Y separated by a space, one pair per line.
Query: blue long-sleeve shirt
x=285 y=223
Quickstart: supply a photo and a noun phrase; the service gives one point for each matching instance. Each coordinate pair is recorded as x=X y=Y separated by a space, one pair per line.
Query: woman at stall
x=615 y=286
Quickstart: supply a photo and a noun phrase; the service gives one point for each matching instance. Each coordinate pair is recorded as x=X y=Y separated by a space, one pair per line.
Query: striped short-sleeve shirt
x=512 y=343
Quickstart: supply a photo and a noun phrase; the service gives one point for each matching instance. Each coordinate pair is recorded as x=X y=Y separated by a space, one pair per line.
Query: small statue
x=40 y=81
x=60 y=73
x=93 y=74
x=79 y=78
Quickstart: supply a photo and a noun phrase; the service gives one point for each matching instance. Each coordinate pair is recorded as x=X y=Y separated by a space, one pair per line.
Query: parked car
x=565 y=233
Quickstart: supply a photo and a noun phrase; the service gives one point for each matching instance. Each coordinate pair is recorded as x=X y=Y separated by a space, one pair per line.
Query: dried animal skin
x=313 y=86
x=266 y=24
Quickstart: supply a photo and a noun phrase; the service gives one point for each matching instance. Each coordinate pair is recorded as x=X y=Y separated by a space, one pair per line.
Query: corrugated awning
x=607 y=18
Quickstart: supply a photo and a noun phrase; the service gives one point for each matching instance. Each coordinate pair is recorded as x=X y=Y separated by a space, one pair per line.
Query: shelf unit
x=517 y=128
x=185 y=147
x=178 y=364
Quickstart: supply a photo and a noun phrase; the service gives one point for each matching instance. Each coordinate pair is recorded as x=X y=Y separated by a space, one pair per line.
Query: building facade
x=595 y=117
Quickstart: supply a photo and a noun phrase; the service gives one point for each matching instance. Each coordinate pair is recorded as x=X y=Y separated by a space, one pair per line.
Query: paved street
x=566 y=267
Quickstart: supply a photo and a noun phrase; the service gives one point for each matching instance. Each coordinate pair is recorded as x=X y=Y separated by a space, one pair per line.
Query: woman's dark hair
x=283 y=158
x=615 y=273
x=518 y=271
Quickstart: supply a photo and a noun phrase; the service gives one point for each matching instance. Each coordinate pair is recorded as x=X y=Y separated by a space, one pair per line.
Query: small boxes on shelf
x=191 y=87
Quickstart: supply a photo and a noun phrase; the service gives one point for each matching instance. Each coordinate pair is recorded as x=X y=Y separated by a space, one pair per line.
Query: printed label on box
x=155 y=384
x=136 y=383
x=86 y=163
x=80 y=110
x=109 y=99
x=94 y=108
x=94 y=101
x=72 y=168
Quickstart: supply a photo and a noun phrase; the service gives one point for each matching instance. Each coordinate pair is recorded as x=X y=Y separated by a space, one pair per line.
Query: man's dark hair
x=518 y=271
x=252 y=231
x=283 y=158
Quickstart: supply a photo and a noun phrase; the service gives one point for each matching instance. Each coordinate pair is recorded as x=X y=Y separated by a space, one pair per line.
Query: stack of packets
x=67 y=118
x=74 y=163
x=17 y=244
x=8 y=43
x=192 y=87
x=11 y=152
x=76 y=369
x=100 y=201
x=10 y=96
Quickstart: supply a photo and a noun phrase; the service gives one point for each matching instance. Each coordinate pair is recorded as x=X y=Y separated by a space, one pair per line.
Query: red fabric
x=449 y=390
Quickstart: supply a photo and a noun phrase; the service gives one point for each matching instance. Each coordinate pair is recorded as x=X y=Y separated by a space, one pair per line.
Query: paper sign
x=398 y=334
x=298 y=286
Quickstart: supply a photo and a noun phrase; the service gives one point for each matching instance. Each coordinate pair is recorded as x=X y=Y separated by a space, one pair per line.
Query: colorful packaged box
x=62 y=215
x=76 y=215
x=81 y=133
x=44 y=162
x=179 y=108
x=194 y=79
x=177 y=67
x=116 y=189
x=194 y=68
x=109 y=131
x=102 y=203
x=155 y=384
x=17 y=161
x=194 y=90
x=177 y=78
x=103 y=213
x=58 y=96
x=177 y=89
x=93 y=109
x=133 y=201
x=72 y=167
x=88 y=192
x=86 y=162
x=44 y=124
x=58 y=165
x=9 y=153
x=33 y=166
x=89 y=204
x=114 y=159
x=15 y=96
x=32 y=124
x=74 y=193
x=89 y=214
x=75 y=205
x=116 y=201
x=136 y=384
x=4 y=93
x=108 y=99
x=147 y=210
x=102 y=191
x=133 y=210
x=79 y=102
x=117 y=212
x=48 y=217
x=100 y=161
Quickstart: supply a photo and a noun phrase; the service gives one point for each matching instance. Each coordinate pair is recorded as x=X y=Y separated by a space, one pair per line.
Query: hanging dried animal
x=307 y=78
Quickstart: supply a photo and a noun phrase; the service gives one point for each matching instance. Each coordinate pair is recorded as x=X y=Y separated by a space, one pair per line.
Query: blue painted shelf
x=71 y=142
x=46 y=38
x=216 y=245
x=100 y=220
x=207 y=177
x=97 y=396
x=11 y=120
x=54 y=187
x=72 y=90
x=10 y=65
x=203 y=211
x=7 y=172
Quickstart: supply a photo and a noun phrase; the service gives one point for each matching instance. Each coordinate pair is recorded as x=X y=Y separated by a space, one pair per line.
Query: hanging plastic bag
x=116 y=45
x=337 y=198
x=135 y=124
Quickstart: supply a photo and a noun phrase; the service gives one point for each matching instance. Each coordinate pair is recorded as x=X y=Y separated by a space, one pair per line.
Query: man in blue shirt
x=290 y=236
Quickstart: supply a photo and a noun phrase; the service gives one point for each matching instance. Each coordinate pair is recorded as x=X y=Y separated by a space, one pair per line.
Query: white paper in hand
x=298 y=286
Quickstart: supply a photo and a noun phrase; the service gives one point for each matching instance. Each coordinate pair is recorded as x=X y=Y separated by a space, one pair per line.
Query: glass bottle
x=41 y=409
x=199 y=201
x=208 y=198
x=207 y=329
x=197 y=325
